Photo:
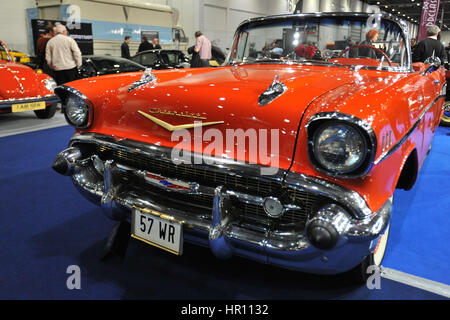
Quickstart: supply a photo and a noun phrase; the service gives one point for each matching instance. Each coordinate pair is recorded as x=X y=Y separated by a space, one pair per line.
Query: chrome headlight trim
x=362 y=126
x=64 y=92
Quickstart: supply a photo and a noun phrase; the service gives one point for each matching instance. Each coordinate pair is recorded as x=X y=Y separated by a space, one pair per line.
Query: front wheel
x=46 y=113
x=445 y=121
x=360 y=273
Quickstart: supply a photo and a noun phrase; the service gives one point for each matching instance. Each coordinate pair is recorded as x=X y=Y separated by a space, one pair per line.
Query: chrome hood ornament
x=276 y=89
x=147 y=77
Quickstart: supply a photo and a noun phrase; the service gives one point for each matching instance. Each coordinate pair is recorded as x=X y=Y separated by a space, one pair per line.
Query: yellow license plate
x=28 y=106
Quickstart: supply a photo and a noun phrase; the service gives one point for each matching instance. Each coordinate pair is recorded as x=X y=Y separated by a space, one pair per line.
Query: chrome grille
x=201 y=175
x=251 y=185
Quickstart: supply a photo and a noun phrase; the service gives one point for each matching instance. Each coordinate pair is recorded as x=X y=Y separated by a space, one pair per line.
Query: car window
x=136 y=59
x=106 y=65
x=87 y=69
x=171 y=57
x=130 y=67
x=148 y=58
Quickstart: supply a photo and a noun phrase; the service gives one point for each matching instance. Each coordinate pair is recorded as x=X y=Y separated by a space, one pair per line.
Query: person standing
x=41 y=46
x=203 y=47
x=145 y=45
x=63 y=56
x=125 y=48
x=430 y=47
x=371 y=38
x=156 y=44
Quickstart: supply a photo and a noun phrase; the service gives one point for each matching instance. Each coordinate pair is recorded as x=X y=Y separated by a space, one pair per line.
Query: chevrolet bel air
x=281 y=157
x=23 y=89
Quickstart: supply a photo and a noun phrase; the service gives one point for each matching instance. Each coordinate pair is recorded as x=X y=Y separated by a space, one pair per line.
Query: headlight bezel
x=360 y=126
x=64 y=93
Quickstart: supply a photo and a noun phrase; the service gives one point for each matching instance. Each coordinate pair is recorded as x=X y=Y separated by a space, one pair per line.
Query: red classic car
x=287 y=160
x=23 y=89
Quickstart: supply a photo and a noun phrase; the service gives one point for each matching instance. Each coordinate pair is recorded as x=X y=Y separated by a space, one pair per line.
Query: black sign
x=82 y=35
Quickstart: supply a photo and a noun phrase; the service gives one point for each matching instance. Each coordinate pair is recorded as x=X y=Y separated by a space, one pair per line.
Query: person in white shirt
x=63 y=56
x=203 y=48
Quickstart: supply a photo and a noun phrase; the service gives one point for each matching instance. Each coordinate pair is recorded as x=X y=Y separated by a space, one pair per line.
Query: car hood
x=17 y=81
x=228 y=95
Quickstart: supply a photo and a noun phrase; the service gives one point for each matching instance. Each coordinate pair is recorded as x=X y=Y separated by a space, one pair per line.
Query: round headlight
x=339 y=148
x=50 y=84
x=77 y=111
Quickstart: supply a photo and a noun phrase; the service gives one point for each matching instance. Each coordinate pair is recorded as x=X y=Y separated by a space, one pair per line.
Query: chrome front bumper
x=219 y=231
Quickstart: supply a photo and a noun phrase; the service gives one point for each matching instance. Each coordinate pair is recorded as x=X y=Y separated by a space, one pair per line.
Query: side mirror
x=433 y=64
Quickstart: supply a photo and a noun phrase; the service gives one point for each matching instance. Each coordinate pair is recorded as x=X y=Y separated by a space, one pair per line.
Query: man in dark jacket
x=41 y=46
x=156 y=44
x=430 y=47
x=125 y=48
x=145 y=45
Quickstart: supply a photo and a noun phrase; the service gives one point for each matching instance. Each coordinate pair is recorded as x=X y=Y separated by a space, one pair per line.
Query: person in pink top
x=203 y=48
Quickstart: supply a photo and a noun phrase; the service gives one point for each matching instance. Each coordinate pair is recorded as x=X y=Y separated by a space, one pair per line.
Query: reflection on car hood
x=228 y=94
x=17 y=81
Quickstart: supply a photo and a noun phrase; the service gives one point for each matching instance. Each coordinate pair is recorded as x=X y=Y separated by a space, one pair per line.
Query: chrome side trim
x=361 y=124
x=400 y=142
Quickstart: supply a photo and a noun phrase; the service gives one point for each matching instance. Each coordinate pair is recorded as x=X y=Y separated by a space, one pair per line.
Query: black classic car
x=102 y=65
x=162 y=59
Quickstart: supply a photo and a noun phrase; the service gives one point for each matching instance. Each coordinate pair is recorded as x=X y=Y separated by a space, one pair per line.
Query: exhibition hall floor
x=47 y=226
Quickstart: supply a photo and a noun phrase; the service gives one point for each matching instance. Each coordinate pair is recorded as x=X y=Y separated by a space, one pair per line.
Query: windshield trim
x=400 y=23
x=8 y=54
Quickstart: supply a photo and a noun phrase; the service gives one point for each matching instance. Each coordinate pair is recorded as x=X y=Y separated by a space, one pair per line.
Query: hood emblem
x=276 y=89
x=147 y=77
x=172 y=128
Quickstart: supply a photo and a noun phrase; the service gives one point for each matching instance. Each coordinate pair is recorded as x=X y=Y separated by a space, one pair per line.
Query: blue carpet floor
x=46 y=226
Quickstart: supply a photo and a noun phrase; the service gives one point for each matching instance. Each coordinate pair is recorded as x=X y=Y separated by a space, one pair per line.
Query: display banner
x=83 y=35
x=430 y=12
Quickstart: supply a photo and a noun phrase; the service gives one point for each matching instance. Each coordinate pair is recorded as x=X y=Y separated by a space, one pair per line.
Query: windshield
x=348 y=40
x=4 y=53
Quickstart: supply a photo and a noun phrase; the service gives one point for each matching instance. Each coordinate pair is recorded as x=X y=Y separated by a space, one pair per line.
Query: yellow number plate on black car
x=28 y=106
x=153 y=229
